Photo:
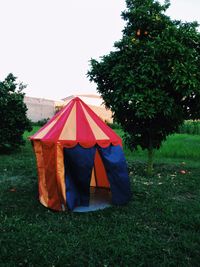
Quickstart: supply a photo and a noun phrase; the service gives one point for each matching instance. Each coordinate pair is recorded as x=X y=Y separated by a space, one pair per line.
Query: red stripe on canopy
x=55 y=131
x=84 y=133
x=113 y=137
x=51 y=121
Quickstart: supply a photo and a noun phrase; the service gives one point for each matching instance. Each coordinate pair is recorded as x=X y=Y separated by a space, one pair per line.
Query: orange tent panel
x=100 y=172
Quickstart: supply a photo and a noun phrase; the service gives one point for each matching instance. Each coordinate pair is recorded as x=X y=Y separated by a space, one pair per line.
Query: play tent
x=74 y=151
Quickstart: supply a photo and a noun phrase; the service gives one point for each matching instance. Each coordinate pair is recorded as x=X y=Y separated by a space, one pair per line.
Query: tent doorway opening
x=87 y=184
x=95 y=167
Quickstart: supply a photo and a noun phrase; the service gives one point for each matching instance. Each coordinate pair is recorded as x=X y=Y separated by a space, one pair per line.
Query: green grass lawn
x=176 y=149
x=159 y=227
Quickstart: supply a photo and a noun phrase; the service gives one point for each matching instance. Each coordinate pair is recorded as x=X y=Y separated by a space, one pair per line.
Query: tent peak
x=77 y=99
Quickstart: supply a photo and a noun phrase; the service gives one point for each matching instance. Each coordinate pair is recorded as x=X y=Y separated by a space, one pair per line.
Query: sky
x=48 y=44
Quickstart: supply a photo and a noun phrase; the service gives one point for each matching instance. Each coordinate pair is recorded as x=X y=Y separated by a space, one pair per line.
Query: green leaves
x=152 y=80
x=12 y=113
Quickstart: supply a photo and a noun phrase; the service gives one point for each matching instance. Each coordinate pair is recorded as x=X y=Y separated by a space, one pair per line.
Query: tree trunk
x=150 y=162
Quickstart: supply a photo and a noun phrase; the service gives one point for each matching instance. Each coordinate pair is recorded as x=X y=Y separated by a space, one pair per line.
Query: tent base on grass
x=100 y=198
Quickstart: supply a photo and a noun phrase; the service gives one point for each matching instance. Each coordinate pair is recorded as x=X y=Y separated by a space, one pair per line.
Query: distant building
x=89 y=99
x=40 y=108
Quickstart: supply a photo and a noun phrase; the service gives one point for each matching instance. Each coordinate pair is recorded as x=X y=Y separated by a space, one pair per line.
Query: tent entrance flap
x=116 y=169
x=78 y=163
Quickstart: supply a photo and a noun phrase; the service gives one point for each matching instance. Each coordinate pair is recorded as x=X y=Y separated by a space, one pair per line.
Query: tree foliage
x=151 y=81
x=12 y=113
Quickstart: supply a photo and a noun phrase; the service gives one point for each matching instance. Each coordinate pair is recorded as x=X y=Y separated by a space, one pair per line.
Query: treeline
x=189 y=127
x=40 y=122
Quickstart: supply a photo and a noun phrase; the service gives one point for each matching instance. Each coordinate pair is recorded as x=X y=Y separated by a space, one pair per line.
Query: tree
x=12 y=114
x=151 y=81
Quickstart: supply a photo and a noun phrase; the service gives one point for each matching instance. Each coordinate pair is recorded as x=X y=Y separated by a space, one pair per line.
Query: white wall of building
x=39 y=108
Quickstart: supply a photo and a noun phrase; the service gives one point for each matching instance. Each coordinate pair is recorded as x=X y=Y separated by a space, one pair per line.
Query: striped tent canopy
x=74 y=151
x=76 y=124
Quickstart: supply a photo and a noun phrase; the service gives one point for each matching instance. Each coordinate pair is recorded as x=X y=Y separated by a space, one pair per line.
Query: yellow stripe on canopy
x=69 y=129
x=41 y=134
x=96 y=130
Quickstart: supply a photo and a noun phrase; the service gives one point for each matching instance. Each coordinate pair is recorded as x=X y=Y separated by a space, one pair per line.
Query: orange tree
x=12 y=114
x=151 y=80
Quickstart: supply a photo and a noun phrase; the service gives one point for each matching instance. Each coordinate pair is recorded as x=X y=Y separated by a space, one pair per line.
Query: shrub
x=190 y=127
x=40 y=122
x=113 y=125
x=14 y=121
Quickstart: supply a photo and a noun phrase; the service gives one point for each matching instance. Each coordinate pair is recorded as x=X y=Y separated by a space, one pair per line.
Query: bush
x=113 y=125
x=40 y=122
x=190 y=127
x=14 y=121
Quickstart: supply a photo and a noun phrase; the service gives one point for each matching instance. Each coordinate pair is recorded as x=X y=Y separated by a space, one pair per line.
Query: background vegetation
x=151 y=81
x=13 y=118
x=190 y=127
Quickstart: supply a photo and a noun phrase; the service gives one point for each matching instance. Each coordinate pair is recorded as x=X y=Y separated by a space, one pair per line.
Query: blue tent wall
x=79 y=163
x=116 y=168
